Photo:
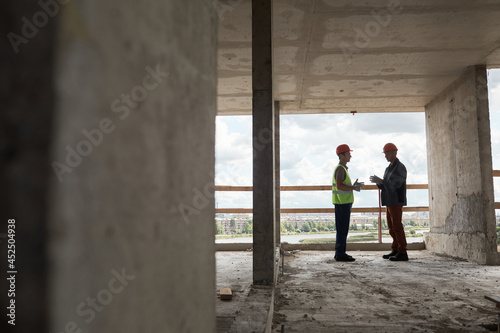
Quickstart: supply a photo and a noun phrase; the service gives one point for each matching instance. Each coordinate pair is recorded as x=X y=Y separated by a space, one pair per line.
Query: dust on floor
x=428 y=293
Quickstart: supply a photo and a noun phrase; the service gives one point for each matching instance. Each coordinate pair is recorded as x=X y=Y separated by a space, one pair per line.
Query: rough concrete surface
x=140 y=80
x=461 y=196
x=426 y=294
x=429 y=293
x=369 y=56
x=234 y=270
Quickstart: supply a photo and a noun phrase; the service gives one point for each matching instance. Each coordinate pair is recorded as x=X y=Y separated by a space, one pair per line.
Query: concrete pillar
x=132 y=209
x=277 y=202
x=461 y=195
x=27 y=99
x=263 y=144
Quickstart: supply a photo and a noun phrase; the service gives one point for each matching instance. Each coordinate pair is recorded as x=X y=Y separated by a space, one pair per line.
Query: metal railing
x=496 y=173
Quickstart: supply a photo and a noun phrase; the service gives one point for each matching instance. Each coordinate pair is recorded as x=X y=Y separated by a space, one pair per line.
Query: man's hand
x=358 y=185
x=376 y=180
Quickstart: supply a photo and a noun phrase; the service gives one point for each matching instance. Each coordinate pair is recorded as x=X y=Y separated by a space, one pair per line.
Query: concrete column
x=263 y=144
x=461 y=195
x=131 y=223
x=277 y=190
x=28 y=100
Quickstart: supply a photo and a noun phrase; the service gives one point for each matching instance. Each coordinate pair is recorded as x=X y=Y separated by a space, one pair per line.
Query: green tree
x=306 y=228
x=219 y=230
x=232 y=224
x=353 y=226
x=248 y=227
x=384 y=224
x=312 y=225
x=286 y=226
x=411 y=223
x=322 y=226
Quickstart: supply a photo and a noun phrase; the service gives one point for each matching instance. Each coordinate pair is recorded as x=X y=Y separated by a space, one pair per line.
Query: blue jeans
x=342 y=218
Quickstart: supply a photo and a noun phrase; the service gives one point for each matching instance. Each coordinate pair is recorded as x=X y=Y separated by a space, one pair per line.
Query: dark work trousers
x=396 y=229
x=342 y=217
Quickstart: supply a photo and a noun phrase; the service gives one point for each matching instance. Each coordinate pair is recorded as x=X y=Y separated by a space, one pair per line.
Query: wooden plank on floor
x=226 y=294
x=495 y=299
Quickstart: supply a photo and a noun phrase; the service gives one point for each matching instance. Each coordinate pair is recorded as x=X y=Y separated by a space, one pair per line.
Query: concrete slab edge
x=256 y=310
x=493 y=259
x=319 y=247
x=270 y=314
x=469 y=246
x=233 y=246
x=257 y=313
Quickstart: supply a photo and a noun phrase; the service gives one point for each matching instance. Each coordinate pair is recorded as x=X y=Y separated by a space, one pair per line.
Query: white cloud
x=389 y=123
x=290 y=156
x=494 y=104
x=233 y=151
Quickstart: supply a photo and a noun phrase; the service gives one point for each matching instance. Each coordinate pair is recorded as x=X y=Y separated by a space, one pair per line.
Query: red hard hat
x=342 y=149
x=389 y=147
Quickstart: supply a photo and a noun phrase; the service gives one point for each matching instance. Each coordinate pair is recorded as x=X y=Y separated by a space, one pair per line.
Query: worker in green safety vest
x=342 y=198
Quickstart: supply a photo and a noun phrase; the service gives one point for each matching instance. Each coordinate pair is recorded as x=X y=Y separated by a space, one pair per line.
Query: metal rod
x=379 y=218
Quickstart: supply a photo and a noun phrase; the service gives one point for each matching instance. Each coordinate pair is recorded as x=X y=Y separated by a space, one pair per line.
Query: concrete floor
x=234 y=270
x=317 y=294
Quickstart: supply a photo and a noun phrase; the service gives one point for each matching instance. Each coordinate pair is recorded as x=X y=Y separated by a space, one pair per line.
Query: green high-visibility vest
x=338 y=196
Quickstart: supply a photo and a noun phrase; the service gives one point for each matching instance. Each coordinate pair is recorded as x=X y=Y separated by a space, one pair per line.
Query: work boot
x=344 y=258
x=399 y=257
x=387 y=256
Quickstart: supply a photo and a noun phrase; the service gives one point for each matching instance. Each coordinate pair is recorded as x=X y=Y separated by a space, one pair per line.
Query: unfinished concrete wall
x=461 y=199
x=27 y=109
x=132 y=214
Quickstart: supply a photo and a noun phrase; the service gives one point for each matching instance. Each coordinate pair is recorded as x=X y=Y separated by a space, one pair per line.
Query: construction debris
x=226 y=294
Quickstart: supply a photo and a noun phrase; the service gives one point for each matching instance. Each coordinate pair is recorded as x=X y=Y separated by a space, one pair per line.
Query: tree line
x=309 y=226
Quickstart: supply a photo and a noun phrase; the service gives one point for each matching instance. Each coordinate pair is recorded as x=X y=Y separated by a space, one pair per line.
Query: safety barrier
x=324 y=210
x=317 y=210
x=224 y=188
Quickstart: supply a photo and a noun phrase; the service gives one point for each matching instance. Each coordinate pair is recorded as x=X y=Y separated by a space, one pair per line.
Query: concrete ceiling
x=334 y=56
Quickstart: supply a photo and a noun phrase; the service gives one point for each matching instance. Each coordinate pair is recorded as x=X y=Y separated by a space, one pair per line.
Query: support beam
x=263 y=144
x=277 y=203
x=461 y=195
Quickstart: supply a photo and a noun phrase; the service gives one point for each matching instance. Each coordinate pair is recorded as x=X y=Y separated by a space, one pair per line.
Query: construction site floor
x=315 y=293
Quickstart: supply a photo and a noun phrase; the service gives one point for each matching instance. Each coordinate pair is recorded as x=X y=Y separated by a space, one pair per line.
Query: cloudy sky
x=308 y=157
